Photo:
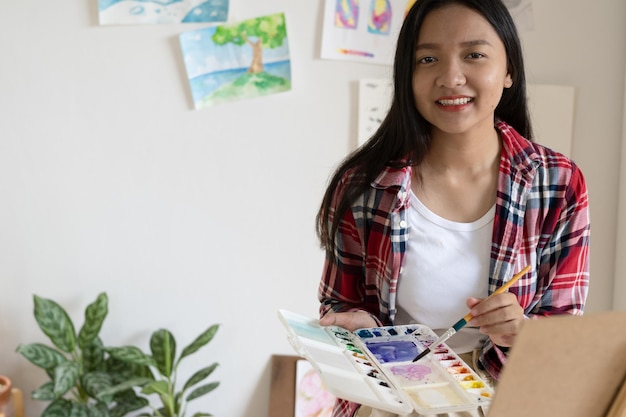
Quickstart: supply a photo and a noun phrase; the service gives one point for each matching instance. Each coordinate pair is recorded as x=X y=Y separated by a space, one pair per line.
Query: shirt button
x=402 y=223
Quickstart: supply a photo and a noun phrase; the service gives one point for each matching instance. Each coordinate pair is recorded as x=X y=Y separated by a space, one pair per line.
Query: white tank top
x=445 y=263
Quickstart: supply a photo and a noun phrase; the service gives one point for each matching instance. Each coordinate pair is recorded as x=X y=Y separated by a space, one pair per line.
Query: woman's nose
x=451 y=74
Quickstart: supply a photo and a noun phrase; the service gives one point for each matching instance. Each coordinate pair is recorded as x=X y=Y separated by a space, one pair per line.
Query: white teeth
x=455 y=102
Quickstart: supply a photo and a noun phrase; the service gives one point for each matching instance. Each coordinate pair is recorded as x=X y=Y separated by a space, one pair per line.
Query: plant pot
x=6 y=407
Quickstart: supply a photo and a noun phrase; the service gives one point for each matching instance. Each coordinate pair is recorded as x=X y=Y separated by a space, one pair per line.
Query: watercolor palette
x=375 y=367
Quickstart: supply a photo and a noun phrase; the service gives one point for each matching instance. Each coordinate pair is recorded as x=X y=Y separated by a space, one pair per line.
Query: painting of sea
x=115 y=12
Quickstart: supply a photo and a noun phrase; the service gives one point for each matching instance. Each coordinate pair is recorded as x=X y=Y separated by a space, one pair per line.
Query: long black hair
x=403 y=137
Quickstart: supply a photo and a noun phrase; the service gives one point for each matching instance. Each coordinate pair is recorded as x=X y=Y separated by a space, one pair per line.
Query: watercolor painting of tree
x=238 y=60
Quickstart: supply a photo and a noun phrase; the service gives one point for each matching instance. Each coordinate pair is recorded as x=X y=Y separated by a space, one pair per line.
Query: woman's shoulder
x=525 y=151
x=533 y=162
x=391 y=175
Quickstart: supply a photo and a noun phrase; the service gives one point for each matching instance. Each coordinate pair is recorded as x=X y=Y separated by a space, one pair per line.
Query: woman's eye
x=426 y=60
x=475 y=55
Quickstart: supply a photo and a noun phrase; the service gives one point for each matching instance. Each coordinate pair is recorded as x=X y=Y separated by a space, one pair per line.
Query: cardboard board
x=282 y=387
x=566 y=366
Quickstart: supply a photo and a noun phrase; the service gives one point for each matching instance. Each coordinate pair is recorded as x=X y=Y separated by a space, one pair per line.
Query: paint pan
x=375 y=367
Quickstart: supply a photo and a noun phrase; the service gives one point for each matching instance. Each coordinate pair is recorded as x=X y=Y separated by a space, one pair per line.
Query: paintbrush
x=459 y=324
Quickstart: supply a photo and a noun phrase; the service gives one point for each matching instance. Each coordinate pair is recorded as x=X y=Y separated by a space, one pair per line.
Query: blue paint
x=393 y=350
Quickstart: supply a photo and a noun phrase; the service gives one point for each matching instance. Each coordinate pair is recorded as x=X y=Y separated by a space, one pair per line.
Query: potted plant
x=78 y=365
x=88 y=379
x=164 y=363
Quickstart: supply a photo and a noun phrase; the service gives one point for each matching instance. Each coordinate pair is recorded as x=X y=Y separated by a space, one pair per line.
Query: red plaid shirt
x=541 y=219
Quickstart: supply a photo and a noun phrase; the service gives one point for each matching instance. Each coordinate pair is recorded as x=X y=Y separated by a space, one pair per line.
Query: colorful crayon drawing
x=112 y=12
x=380 y=17
x=238 y=60
x=409 y=4
x=347 y=14
x=361 y=30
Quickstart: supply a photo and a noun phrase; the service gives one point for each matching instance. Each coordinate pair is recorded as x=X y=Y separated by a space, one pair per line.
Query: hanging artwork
x=362 y=30
x=113 y=12
x=374 y=103
x=346 y=14
x=379 y=17
x=237 y=60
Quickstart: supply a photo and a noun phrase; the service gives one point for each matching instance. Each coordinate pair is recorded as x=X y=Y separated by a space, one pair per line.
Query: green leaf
x=124 y=386
x=55 y=323
x=41 y=355
x=95 y=382
x=44 y=392
x=156 y=387
x=202 y=415
x=178 y=402
x=93 y=356
x=163 y=346
x=202 y=390
x=121 y=371
x=57 y=408
x=199 y=376
x=79 y=410
x=127 y=401
x=95 y=313
x=65 y=377
x=98 y=410
x=200 y=341
x=131 y=354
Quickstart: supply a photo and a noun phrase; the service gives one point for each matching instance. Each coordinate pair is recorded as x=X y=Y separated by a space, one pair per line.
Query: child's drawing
x=238 y=60
x=380 y=17
x=112 y=12
x=408 y=7
x=346 y=14
x=362 y=30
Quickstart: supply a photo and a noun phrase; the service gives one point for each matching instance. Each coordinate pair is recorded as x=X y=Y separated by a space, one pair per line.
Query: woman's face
x=460 y=71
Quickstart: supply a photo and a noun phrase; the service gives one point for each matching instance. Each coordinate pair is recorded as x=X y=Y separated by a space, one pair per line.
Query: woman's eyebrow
x=465 y=44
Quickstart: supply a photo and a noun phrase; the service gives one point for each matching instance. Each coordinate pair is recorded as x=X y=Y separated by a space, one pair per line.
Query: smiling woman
x=450 y=197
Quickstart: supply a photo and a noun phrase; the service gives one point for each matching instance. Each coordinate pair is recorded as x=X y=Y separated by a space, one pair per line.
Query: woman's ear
x=508 y=81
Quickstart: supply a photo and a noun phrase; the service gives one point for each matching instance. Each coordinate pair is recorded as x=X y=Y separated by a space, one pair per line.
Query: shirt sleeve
x=343 y=285
x=563 y=272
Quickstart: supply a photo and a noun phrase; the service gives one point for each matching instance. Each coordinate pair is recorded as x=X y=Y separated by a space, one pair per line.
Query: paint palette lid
x=375 y=367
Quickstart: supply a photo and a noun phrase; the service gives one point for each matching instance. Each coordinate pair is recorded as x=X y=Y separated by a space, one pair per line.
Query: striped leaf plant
x=78 y=365
x=164 y=362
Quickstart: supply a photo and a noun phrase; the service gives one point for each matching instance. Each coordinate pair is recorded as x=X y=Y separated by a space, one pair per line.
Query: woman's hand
x=350 y=320
x=499 y=317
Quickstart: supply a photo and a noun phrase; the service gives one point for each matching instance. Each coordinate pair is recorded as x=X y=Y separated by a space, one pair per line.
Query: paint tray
x=375 y=367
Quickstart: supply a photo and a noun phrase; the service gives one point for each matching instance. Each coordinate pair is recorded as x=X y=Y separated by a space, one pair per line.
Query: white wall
x=583 y=44
x=110 y=182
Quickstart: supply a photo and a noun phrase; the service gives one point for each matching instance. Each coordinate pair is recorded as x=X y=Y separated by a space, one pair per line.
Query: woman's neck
x=463 y=153
x=458 y=177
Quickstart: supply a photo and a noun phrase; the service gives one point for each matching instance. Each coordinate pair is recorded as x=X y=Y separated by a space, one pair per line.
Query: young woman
x=450 y=197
